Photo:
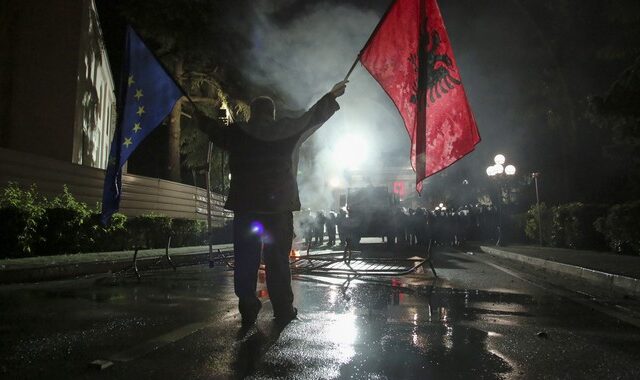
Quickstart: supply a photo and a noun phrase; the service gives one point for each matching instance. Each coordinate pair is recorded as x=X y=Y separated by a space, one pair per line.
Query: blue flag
x=148 y=95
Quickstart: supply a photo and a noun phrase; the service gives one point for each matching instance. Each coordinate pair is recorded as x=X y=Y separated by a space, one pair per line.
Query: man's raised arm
x=317 y=115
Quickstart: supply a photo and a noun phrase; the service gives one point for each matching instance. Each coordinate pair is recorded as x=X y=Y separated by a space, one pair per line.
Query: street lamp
x=500 y=173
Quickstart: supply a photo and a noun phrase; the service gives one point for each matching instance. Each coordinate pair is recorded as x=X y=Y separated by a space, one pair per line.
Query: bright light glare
x=342 y=333
x=441 y=205
x=499 y=169
x=351 y=151
x=510 y=170
x=490 y=171
x=499 y=159
x=334 y=182
x=257 y=228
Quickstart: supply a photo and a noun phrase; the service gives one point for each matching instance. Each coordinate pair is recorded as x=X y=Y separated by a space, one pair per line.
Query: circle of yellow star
x=130 y=81
x=127 y=142
x=140 y=110
x=138 y=94
x=137 y=127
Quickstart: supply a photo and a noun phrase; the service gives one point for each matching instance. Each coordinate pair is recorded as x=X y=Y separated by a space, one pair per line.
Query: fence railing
x=140 y=194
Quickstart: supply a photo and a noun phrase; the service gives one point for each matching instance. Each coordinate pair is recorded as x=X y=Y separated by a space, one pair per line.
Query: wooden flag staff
x=352 y=68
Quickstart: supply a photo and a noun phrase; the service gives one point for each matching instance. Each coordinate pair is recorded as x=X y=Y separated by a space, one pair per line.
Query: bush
x=101 y=238
x=61 y=230
x=186 y=232
x=514 y=226
x=21 y=211
x=30 y=225
x=532 y=227
x=620 y=227
x=148 y=231
x=222 y=235
x=573 y=226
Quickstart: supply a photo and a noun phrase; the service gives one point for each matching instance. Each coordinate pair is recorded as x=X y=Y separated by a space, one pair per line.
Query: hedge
x=588 y=226
x=573 y=226
x=32 y=225
x=621 y=227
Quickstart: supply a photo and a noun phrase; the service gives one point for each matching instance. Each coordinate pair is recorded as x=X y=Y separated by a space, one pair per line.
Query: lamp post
x=535 y=179
x=500 y=172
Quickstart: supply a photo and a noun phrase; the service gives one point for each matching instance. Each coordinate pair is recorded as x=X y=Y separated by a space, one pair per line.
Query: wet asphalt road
x=477 y=321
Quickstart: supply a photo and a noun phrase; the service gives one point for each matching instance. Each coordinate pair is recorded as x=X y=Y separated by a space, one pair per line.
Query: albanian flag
x=410 y=55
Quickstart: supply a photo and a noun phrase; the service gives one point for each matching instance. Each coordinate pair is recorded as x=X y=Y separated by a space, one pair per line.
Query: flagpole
x=386 y=12
x=352 y=68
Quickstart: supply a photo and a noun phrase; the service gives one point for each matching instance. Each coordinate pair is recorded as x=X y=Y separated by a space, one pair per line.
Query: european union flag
x=149 y=94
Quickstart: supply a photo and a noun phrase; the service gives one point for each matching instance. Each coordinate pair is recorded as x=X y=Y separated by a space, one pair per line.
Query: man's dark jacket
x=263 y=158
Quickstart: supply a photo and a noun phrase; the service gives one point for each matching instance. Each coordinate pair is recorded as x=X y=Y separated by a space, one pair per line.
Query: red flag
x=409 y=54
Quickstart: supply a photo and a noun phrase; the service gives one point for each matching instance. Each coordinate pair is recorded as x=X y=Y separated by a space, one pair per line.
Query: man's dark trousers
x=273 y=233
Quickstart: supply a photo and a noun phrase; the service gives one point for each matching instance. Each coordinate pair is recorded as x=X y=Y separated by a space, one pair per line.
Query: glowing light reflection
x=414 y=338
x=257 y=228
x=448 y=338
x=443 y=314
x=333 y=295
x=342 y=332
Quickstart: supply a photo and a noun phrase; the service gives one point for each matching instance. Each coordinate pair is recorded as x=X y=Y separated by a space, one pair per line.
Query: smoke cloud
x=302 y=58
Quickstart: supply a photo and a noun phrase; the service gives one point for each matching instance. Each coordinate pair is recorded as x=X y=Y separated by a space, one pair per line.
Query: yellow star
x=127 y=142
x=140 y=110
x=138 y=94
x=130 y=81
x=137 y=127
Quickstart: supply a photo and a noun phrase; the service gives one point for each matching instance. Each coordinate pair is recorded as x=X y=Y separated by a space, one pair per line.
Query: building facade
x=57 y=92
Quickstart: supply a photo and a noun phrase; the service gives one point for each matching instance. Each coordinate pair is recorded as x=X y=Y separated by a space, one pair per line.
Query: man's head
x=263 y=108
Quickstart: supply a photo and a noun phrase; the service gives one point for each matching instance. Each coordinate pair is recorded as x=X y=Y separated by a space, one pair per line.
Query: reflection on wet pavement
x=184 y=324
x=385 y=331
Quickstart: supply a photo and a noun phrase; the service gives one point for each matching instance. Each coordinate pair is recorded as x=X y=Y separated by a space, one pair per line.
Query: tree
x=617 y=111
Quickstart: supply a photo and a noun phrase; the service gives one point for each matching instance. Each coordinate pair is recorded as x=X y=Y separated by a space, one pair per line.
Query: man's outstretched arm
x=317 y=115
x=321 y=111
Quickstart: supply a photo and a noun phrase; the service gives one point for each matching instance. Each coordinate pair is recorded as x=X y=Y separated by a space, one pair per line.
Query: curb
x=612 y=282
x=73 y=270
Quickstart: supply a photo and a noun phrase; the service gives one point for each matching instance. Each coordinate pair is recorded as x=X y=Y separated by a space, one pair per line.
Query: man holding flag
x=409 y=54
x=263 y=164
x=263 y=194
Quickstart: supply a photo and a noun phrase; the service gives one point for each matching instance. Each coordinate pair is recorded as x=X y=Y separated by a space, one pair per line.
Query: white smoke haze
x=302 y=60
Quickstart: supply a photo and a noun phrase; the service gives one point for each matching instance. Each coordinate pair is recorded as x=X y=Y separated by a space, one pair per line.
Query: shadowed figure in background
x=263 y=194
x=331 y=228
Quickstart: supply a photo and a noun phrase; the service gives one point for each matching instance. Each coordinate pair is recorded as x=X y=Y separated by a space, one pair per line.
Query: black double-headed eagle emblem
x=433 y=69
